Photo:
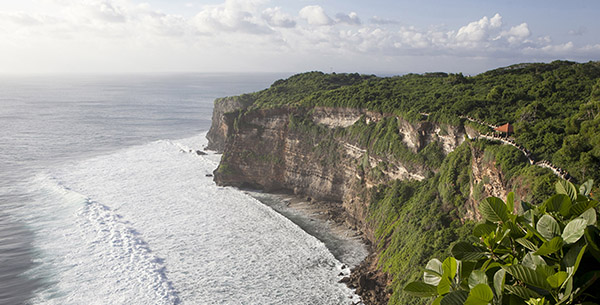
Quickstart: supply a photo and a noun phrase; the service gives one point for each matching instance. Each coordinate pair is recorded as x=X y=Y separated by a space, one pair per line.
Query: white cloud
x=382 y=21
x=122 y=34
x=231 y=16
x=480 y=30
x=315 y=15
x=276 y=18
x=351 y=19
x=517 y=33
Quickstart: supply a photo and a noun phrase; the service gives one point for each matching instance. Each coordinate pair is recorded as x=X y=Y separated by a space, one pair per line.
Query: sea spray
x=144 y=225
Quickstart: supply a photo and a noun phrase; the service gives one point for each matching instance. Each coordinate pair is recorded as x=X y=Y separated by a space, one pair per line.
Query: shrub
x=543 y=254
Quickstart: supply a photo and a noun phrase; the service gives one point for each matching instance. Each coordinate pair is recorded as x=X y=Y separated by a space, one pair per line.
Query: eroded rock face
x=487 y=180
x=219 y=130
x=261 y=149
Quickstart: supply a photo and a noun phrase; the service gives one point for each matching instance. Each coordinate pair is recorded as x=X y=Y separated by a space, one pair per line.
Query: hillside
x=405 y=157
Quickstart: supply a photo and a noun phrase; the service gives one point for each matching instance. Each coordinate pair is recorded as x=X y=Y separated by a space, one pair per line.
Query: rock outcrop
x=264 y=149
x=219 y=129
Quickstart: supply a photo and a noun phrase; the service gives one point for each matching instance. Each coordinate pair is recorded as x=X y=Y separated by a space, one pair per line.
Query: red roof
x=505 y=128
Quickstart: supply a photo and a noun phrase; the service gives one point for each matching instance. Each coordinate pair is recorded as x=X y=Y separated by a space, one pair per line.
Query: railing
x=510 y=141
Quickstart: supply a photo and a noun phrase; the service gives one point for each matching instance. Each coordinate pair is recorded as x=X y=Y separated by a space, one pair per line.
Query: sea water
x=104 y=201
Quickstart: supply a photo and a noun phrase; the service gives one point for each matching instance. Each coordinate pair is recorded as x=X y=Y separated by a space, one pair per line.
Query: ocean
x=103 y=200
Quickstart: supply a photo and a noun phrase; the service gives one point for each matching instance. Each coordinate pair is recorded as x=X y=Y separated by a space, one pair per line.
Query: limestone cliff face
x=271 y=149
x=262 y=150
x=219 y=129
x=487 y=180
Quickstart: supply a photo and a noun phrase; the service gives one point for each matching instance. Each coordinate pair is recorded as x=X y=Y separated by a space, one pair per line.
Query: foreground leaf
x=548 y=227
x=523 y=292
x=586 y=188
x=477 y=277
x=574 y=230
x=510 y=202
x=573 y=258
x=480 y=295
x=527 y=244
x=580 y=207
x=444 y=286
x=556 y=280
x=567 y=188
x=531 y=260
x=589 y=216
x=450 y=266
x=592 y=238
x=420 y=289
x=433 y=272
x=466 y=251
x=493 y=209
x=528 y=276
x=484 y=229
x=455 y=298
x=550 y=247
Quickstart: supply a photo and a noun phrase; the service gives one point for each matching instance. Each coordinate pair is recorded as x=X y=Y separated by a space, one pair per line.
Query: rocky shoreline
x=364 y=277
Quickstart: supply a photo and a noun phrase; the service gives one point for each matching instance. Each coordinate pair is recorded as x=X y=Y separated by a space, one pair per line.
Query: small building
x=506 y=128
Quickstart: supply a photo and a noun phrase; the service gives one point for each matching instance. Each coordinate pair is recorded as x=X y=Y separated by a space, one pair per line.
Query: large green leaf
x=510 y=202
x=499 y=279
x=548 y=227
x=480 y=295
x=557 y=279
x=573 y=258
x=527 y=244
x=550 y=246
x=515 y=230
x=467 y=252
x=450 y=266
x=545 y=270
x=586 y=188
x=444 y=286
x=523 y=292
x=528 y=276
x=580 y=207
x=455 y=298
x=477 y=277
x=592 y=238
x=433 y=272
x=531 y=260
x=589 y=216
x=574 y=230
x=420 y=289
x=484 y=229
x=493 y=209
x=567 y=188
x=559 y=203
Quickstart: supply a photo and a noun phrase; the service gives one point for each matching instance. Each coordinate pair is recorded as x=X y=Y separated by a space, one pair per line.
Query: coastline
x=324 y=220
x=315 y=216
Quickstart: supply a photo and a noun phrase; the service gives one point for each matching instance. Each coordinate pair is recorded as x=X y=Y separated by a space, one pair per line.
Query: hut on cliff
x=506 y=128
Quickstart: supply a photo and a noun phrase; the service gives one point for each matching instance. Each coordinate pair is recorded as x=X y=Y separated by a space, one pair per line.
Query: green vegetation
x=554 y=107
x=417 y=219
x=543 y=254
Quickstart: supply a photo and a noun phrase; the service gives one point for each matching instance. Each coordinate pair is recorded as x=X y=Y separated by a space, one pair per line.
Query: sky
x=374 y=36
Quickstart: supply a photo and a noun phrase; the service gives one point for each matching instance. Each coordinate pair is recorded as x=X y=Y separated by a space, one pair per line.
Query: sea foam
x=145 y=226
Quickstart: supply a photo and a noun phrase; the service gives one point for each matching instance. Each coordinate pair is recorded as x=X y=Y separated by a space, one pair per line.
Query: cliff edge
x=408 y=158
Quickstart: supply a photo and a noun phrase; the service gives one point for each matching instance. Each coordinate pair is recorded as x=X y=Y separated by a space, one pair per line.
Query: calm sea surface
x=102 y=203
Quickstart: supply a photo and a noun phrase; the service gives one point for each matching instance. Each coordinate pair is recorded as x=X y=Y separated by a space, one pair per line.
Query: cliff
x=313 y=153
x=409 y=158
x=219 y=129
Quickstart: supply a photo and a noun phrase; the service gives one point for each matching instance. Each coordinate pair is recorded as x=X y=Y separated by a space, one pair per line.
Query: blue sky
x=376 y=36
